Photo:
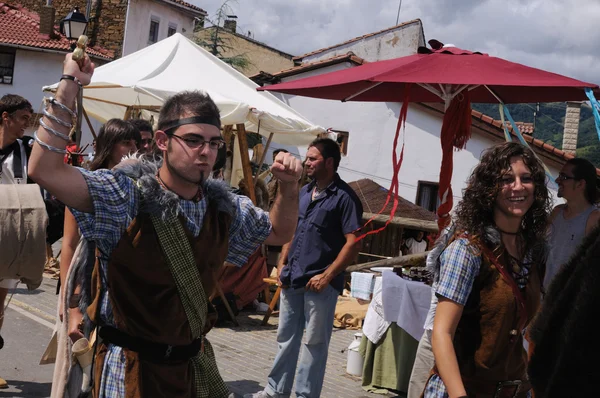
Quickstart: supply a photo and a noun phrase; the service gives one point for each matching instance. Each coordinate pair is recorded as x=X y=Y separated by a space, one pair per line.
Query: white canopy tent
x=145 y=79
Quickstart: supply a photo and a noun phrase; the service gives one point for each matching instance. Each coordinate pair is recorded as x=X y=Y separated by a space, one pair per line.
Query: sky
x=560 y=36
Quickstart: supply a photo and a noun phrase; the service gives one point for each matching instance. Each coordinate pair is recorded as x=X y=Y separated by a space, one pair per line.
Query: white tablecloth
x=406 y=303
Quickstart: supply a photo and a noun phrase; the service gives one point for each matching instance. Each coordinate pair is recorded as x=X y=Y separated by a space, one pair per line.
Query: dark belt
x=500 y=389
x=155 y=352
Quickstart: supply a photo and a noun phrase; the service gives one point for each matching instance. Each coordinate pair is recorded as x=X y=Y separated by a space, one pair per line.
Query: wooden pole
x=243 y=142
x=228 y=137
x=128 y=113
x=262 y=158
x=411 y=223
x=87 y=119
x=411 y=260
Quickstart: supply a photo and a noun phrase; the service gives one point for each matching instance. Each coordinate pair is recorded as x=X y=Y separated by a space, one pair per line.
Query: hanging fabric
x=456 y=131
x=396 y=163
x=595 y=108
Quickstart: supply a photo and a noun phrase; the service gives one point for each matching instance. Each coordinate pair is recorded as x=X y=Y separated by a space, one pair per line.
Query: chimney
x=47 y=15
x=571 y=129
x=231 y=23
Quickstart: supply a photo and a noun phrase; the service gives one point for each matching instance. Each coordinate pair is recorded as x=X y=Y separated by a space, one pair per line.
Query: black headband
x=213 y=121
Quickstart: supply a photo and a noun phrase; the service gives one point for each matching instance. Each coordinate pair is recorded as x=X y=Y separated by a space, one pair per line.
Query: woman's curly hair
x=475 y=212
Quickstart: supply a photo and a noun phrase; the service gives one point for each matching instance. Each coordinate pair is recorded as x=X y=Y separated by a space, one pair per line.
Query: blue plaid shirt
x=116 y=202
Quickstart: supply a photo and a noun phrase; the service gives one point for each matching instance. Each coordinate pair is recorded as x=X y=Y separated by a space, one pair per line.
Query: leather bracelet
x=74 y=300
x=72 y=78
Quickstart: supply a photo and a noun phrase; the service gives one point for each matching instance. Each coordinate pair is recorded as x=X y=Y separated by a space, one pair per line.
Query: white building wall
x=391 y=44
x=140 y=14
x=34 y=70
x=372 y=126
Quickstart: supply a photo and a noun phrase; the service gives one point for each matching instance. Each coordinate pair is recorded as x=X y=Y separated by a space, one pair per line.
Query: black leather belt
x=155 y=352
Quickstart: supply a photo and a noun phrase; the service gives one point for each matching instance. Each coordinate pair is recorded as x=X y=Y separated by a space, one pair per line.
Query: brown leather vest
x=483 y=344
x=146 y=302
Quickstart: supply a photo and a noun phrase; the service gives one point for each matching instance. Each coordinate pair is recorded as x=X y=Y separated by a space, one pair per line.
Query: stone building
x=261 y=57
x=125 y=26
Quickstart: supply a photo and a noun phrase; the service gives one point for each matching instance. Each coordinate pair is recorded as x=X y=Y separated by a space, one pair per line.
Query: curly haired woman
x=488 y=272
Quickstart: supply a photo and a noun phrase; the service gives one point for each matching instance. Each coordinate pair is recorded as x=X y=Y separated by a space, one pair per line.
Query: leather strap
x=180 y=259
x=523 y=316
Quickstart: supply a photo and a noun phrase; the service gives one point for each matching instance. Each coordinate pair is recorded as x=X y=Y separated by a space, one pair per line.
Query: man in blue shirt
x=311 y=273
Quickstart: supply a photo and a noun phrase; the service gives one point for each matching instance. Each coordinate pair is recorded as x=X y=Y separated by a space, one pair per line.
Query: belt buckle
x=168 y=351
x=516 y=384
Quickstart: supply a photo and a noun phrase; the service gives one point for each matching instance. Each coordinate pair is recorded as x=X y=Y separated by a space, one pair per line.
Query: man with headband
x=148 y=302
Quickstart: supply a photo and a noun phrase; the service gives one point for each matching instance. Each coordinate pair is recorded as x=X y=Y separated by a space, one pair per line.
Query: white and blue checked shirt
x=459 y=266
x=116 y=202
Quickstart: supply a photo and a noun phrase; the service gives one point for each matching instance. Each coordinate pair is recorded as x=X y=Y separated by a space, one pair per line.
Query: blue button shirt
x=320 y=234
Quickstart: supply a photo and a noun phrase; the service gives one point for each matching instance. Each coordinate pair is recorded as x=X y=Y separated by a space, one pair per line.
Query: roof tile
x=21 y=27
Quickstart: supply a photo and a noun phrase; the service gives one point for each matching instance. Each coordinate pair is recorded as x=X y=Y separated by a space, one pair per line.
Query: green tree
x=217 y=43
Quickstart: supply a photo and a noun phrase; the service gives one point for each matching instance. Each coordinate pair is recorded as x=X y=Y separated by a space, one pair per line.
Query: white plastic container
x=354 y=365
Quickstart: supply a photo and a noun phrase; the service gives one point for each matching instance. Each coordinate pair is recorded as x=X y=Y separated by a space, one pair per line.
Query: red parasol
x=441 y=74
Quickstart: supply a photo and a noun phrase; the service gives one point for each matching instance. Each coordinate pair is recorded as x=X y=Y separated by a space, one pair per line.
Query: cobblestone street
x=244 y=354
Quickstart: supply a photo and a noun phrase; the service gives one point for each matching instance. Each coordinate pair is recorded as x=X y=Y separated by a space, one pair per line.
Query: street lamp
x=74 y=25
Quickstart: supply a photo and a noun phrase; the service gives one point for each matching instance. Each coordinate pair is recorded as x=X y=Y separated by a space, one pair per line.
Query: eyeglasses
x=195 y=142
x=562 y=177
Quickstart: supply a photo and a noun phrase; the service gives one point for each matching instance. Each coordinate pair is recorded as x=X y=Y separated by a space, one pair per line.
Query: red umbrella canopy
x=386 y=80
x=434 y=75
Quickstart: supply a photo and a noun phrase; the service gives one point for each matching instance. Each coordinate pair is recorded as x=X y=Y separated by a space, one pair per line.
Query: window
x=342 y=140
x=7 y=65
x=172 y=30
x=427 y=195
x=153 y=34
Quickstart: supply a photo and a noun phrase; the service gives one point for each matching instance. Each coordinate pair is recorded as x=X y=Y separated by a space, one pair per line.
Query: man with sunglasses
x=574 y=219
x=15 y=112
x=145 y=277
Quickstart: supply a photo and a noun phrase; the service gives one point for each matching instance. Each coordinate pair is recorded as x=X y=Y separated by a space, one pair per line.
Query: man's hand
x=318 y=283
x=83 y=73
x=286 y=168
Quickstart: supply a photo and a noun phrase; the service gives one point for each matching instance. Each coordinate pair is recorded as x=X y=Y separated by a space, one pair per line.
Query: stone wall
x=107 y=28
x=261 y=58
x=571 y=129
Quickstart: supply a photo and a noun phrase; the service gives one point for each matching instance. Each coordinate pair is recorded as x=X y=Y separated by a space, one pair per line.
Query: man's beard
x=175 y=172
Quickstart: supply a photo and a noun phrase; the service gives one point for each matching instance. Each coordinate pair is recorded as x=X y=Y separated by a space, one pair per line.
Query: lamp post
x=74 y=25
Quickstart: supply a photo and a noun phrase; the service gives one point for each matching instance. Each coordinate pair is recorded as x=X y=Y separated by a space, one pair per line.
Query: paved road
x=244 y=354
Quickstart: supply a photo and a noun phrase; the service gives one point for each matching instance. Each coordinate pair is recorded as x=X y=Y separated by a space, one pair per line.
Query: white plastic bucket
x=354 y=365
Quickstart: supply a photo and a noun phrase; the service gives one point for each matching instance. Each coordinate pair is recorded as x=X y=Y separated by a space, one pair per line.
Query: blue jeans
x=300 y=309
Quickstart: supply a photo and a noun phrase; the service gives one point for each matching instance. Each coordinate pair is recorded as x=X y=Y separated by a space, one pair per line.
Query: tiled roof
x=524 y=128
x=264 y=77
x=20 y=27
x=494 y=127
x=188 y=5
x=373 y=196
x=299 y=57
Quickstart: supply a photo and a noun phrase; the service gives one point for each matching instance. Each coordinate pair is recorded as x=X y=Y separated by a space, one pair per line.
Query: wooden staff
x=78 y=56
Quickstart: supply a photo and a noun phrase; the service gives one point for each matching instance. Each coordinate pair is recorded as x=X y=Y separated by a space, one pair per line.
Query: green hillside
x=549 y=125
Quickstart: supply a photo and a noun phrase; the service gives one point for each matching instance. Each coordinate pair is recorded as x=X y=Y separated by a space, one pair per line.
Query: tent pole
x=87 y=119
x=243 y=142
x=228 y=137
x=262 y=158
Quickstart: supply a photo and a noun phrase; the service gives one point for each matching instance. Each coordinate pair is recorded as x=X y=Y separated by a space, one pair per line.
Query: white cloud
x=557 y=35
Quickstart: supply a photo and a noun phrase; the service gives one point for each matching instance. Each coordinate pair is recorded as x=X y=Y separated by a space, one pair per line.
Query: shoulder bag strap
x=180 y=258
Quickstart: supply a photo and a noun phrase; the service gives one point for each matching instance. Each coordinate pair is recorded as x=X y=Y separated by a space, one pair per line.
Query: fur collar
x=158 y=201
